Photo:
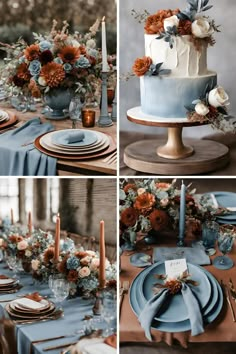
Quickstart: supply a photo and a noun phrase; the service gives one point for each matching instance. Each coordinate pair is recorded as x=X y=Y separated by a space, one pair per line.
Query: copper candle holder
x=88 y=118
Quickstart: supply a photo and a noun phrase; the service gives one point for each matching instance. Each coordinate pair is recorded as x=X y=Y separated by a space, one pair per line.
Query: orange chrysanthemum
x=185 y=27
x=72 y=275
x=23 y=72
x=69 y=54
x=49 y=255
x=155 y=23
x=144 y=202
x=130 y=186
x=141 y=65
x=62 y=265
x=34 y=90
x=163 y=185
x=81 y=254
x=53 y=74
x=159 y=220
x=129 y=216
x=32 y=52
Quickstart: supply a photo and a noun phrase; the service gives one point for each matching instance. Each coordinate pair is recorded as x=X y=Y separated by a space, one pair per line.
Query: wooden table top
x=95 y=166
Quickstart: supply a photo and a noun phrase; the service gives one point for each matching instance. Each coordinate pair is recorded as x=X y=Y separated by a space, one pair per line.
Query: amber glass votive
x=88 y=118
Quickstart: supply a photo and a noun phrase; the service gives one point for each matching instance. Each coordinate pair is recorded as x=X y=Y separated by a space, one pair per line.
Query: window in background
x=9 y=194
x=52 y=198
x=29 y=205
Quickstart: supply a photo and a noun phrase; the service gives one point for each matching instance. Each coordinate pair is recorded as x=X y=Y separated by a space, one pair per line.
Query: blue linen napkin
x=74 y=137
x=18 y=160
x=153 y=306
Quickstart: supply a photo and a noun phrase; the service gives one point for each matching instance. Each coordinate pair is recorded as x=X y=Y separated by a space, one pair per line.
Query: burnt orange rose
x=155 y=23
x=141 y=65
x=144 y=202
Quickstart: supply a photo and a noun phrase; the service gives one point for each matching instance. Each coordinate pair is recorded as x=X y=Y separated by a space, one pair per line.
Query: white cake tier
x=183 y=59
x=167 y=96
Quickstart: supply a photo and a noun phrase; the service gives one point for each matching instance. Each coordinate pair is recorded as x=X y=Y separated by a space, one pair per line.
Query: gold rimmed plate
x=29 y=315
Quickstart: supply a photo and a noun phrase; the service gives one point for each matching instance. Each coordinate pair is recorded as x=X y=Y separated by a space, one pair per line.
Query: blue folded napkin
x=18 y=160
x=74 y=137
x=153 y=306
x=193 y=255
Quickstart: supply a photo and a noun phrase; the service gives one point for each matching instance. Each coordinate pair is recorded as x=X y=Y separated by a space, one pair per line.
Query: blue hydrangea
x=82 y=62
x=68 y=245
x=58 y=60
x=35 y=67
x=72 y=263
x=67 y=67
x=45 y=45
x=93 y=52
x=22 y=59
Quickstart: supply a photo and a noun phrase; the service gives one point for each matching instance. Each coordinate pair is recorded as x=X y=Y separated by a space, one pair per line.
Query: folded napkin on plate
x=74 y=137
x=34 y=296
x=192 y=255
x=92 y=346
x=153 y=306
x=18 y=160
x=28 y=303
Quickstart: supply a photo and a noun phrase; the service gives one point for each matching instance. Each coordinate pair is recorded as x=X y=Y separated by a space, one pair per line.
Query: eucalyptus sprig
x=140 y=16
x=168 y=35
x=155 y=70
x=194 y=7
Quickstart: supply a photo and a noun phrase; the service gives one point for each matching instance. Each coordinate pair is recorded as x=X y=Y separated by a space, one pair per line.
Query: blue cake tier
x=167 y=96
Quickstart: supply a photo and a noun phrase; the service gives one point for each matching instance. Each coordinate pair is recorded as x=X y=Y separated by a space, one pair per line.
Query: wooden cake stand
x=173 y=157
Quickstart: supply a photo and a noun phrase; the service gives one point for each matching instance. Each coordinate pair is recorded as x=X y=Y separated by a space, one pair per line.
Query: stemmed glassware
x=225 y=243
x=60 y=288
x=75 y=110
x=12 y=264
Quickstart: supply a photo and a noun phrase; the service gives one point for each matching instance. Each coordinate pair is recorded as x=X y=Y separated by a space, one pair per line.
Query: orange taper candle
x=12 y=217
x=29 y=223
x=102 y=276
x=57 y=238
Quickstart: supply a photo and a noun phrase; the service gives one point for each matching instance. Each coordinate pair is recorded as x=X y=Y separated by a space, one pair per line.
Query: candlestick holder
x=180 y=242
x=114 y=108
x=104 y=119
x=97 y=308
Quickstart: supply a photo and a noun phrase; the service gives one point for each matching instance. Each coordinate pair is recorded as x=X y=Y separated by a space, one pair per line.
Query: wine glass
x=12 y=264
x=51 y=279
x=109 y=313
x=225 y=244
x=75 y=109
x=60 y=288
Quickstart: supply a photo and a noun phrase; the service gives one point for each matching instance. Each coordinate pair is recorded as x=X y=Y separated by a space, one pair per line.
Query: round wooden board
x=208 y=156
x=106 y=151
x=12 y=120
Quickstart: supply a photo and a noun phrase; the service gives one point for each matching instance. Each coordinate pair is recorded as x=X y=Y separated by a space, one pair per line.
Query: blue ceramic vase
x=58 y=99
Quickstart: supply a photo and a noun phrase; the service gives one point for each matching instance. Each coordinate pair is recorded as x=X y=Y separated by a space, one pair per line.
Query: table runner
x=223 y=329
x=74 y=312
x=19 y=160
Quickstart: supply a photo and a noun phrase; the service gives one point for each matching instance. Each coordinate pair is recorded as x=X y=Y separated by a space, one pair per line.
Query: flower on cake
x=155 y=23
x=218 y=97
x=171 y=22
x=201 y=109
x=201 y=28
x=142 y=65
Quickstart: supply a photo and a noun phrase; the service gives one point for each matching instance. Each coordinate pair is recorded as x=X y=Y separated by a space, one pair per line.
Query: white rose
x=22 y=245
x=164 y=202
x=91 y=43
x=218 y=97
x=84 y=272
x=41 y=81
x=141 y=191
x=201 y=28
x=171 y=22
x=94 y=264
x=91 y=253
x=201 y=109
x=35 y=264
x=28 y=253
x=75 y=43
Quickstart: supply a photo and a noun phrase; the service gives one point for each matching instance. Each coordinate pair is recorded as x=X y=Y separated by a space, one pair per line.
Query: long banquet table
x=95 y=166
x=223 y=329
x=74 y=311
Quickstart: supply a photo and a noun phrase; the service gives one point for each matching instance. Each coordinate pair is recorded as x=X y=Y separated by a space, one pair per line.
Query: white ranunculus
x=75 y=43
x=218 y=97
x=141 y=191
x=201 y=28
x=35 y=264
x=91 y=43
x=41 y=81
x=201 y=109
x=171 y=22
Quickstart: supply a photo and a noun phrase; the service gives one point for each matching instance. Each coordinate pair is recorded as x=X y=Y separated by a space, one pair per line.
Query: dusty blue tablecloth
x=74 y=312
x=18 y=160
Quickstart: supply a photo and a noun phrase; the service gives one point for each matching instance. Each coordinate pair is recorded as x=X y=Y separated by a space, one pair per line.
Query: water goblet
x=12 y=264
x=75 y=109
x=109 y=313
x=61 y=290
x=210 y=232
x=225 y=244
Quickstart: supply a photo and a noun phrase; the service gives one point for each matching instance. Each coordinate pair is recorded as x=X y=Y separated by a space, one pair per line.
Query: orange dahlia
x=72 y=275
x=34 y=90
x=159 y=220
x=144 y=202
x=130 y=186
x=129 y=216
x=23 y=72
x=49 y=255
x=163 y=185
x=69 y=54
x=141 y=65
x=155 y=23
x=62 y=268
x=32 y=52
x=53 y=74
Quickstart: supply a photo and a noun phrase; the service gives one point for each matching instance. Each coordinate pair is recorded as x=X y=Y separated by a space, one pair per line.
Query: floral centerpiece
x=56 y=60
x=14 y=244
x=147 y=205
x=211 y=106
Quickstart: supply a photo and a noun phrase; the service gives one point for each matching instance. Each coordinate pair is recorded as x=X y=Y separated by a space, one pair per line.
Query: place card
x=175 y=267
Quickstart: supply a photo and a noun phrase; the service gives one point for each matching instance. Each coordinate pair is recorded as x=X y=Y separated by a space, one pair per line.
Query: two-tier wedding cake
x=174 y=79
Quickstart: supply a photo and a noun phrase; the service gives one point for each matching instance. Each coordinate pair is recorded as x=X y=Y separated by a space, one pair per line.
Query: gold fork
x=124 y=290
